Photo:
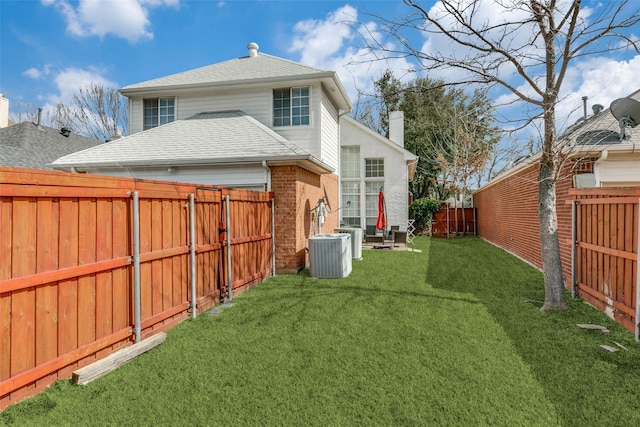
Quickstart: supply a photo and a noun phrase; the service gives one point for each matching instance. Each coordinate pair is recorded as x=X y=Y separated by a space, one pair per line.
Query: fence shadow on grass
x=585 y=382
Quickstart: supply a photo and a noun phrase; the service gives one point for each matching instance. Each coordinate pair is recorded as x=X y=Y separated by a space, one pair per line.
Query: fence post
x=192 y=250
x=229 y=276
x=136 y=264
x=574 y=234
x=636 y=328
x=273 y=237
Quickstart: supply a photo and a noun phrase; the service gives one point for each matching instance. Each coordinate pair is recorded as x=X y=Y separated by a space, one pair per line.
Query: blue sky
x=51 y=47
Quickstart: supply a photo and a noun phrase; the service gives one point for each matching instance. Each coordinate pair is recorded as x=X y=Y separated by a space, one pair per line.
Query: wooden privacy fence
x=451 y=222
x=605 y=251
x=90 y=264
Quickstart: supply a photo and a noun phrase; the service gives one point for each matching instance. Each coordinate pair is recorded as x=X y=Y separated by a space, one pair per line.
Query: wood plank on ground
x=104 y=366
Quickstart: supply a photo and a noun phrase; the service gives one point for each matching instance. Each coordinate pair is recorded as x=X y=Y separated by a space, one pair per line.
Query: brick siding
x=296 y=192
x=508 y=213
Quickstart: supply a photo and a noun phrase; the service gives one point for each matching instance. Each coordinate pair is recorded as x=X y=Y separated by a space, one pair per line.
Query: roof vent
x=65 y=132
x=253 y=49
x=597 y=108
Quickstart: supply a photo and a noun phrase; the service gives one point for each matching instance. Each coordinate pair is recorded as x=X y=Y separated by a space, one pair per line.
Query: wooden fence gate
x=605 y=251
x=90 y=264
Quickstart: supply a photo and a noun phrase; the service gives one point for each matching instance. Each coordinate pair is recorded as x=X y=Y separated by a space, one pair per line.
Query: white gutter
x=267 y=170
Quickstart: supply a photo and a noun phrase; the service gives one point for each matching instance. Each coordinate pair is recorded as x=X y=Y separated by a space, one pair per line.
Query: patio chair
x=399 y=237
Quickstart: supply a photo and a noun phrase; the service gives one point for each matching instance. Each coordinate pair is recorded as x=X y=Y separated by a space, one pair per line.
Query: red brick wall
x=508 y=213
x=296 y=192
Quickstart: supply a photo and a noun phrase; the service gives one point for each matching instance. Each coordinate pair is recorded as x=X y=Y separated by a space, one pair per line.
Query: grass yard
x=451 y=336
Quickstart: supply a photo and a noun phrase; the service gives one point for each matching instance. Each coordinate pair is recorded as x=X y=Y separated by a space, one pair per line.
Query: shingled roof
x=225 y=137
x=256 y=69
x=28 y=145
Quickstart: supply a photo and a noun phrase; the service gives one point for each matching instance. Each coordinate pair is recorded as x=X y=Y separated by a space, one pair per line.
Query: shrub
x=421 y=210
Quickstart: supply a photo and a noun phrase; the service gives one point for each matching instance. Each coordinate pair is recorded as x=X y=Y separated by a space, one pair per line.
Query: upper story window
x=291 y=106
x=374 y=168
x=158 y=111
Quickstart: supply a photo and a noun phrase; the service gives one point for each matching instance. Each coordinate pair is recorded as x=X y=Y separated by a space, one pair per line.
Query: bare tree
x=525 y=47
x=97 y=111
x=24 y=113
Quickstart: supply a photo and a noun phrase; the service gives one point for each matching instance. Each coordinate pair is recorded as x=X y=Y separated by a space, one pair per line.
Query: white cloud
x=602 y=80
x=36 y=74
x=71 y=79
x=332 y=44
x=127 y=19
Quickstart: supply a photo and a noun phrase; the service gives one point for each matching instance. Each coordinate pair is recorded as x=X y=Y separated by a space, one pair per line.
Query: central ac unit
x=330 y=255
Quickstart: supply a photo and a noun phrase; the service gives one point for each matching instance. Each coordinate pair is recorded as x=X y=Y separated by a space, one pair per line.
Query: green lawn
x=450 y=336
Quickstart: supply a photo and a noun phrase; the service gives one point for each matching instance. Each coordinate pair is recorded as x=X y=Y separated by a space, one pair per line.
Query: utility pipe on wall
x=136 y=265
x=228 y=227
x=192 y=249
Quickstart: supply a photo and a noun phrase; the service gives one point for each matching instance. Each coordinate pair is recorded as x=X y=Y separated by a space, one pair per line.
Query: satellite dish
x=326 y=198
x=627 y=111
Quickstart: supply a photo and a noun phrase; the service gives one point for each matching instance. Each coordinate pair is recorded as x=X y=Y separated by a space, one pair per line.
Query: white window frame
x=160 y=116
x=296 y=101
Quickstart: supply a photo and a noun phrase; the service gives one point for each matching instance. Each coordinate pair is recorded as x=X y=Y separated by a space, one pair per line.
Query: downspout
x=268 y=173
x=136 y=265
x=228 y=227
x=192 y=250
x=273 y=220
x=340 y=114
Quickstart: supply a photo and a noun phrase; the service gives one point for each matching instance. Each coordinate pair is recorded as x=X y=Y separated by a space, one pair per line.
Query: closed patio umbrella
x=381 y=224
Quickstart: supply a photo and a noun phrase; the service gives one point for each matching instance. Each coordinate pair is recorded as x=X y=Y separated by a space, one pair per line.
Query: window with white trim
x=351 y=213
x=291 y=106
x=350 y=161
x=374 y=168
x=158 y=111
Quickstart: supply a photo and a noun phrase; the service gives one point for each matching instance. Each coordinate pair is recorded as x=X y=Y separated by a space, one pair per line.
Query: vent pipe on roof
x=65 y=132
x=584 y=106
x=253 y=49
x=39 y=116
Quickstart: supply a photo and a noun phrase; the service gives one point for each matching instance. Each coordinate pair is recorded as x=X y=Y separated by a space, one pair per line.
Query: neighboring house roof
x=597 y=134
x=410 y=158
x=28 y=145
x=249 y=70
x=227 y=137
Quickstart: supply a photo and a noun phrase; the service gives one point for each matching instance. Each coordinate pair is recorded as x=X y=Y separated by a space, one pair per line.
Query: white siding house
x=257 y=122
x=371 y=162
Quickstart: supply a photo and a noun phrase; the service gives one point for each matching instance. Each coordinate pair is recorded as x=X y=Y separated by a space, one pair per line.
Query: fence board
x=156 y=265
x=47 y=296
x=104 y=280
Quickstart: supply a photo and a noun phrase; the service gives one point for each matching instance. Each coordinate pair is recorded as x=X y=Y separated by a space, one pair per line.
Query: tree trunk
x=549 y=245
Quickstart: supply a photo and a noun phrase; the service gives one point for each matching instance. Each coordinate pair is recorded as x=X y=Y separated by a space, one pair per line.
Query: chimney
x=396 y=127
x=253 y=49
x=118 y=135
x=584 y=106
x=4 y=111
